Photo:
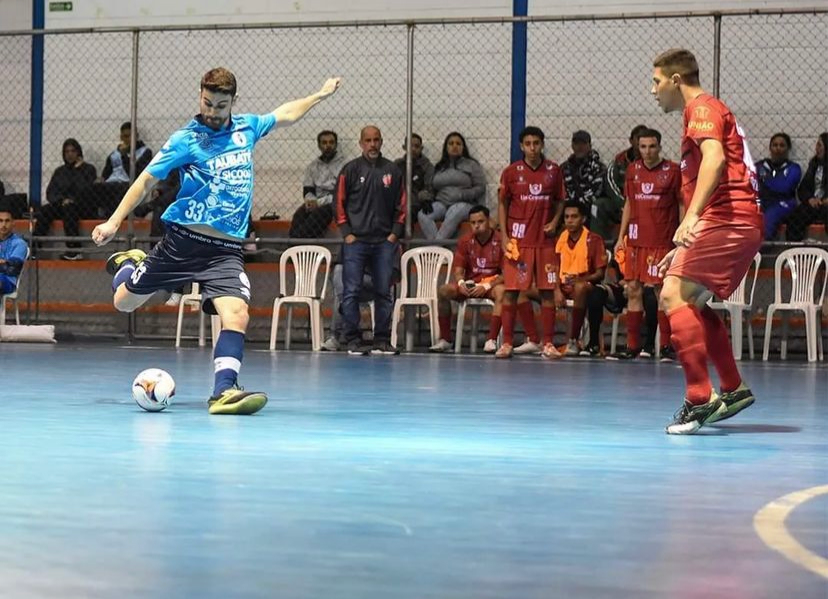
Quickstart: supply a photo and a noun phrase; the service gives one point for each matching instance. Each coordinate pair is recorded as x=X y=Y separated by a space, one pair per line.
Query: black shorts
x=184 y=256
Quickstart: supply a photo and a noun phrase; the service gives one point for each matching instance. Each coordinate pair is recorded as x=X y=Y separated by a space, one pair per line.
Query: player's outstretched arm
x=104 y=232
x=290 y=112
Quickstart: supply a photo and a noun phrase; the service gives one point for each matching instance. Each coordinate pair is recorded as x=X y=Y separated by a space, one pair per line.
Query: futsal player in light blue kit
x=206 y=224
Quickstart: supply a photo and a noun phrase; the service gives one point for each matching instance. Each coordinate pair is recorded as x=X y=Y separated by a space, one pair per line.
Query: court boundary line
x=769 y=524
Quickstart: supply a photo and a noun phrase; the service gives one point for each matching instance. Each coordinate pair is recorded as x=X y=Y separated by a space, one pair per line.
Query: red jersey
x=478 y=261
x=654 y=195
x=735 y=199
x=531 y=194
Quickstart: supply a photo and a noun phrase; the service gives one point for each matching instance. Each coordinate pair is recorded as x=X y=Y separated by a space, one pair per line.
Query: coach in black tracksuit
x=370 y=213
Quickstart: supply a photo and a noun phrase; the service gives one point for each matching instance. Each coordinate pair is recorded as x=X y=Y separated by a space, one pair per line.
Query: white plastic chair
x=306 y=260
x=737 y=306
x=804 y=265
x=428 y=262
x=475 y=305
x=215 y=321
x=12 y=296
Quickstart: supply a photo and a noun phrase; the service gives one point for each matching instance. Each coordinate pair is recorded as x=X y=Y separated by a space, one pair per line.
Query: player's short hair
x=679 y=61
x=480 y=208
x=784 y=136
x=576 y=204
x=636 y=132
x=322 y=134
x=126 y=125
x=647 y=132
x=5 y=207
x=219 y=81
x=531 y=130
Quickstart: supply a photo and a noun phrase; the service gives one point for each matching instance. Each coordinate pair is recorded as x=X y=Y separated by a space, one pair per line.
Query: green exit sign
x=60 y=6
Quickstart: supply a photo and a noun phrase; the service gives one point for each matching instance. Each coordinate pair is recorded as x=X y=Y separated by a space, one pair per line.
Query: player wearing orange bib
x=530 y=204
x=652 y=211
x=720 y=233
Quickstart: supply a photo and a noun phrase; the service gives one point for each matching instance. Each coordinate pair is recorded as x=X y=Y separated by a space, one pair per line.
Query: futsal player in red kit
x=652 y=211
x=715 y=242
x=530 y=206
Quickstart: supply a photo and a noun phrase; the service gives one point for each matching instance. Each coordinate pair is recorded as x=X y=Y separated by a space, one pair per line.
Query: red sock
x=527 y=318
x=663 y=329
x=507 y=314
x=688 y=340
x=578 y=315
x=634 y=330
x=718 y=348
x=494 y=327
x=548 y=322
x=445 y=326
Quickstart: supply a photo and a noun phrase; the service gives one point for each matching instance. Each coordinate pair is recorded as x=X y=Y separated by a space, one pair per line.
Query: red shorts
x=719 y=257
x=642 y=264
x=536 y=267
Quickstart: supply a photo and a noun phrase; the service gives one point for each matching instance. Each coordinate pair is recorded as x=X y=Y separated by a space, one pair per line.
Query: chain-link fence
x=592 y=75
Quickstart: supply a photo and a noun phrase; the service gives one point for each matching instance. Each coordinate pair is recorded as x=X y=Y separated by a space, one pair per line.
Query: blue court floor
x=412 y=477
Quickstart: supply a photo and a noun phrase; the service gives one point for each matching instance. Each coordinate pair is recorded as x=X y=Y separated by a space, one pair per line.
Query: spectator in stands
x=652 y=214
x=584 y=174
x=312 y=218
x=13 y=250
x=476 y=273
x=582 y=259
x=115 y=180
x=69 y=195
x=812 y=193
x=778 y=180
x=608 y=209
x=422 y=176
x=459 y=184
x=370 y=213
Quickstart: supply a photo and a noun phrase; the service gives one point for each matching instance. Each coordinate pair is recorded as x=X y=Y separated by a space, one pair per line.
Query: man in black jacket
x=68 y=192
x=370 y=214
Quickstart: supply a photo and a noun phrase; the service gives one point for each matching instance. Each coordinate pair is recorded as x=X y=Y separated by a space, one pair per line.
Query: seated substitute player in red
x=716 y=241
x=475 y=274
x=531 y=199
x=582 y=260
x=652 y=212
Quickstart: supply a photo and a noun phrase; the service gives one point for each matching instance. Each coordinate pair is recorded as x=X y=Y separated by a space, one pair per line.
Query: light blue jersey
x=216 y=172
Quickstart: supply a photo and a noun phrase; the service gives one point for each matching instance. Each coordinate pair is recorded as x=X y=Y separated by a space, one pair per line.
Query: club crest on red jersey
x=535 y=189
x=647 y=187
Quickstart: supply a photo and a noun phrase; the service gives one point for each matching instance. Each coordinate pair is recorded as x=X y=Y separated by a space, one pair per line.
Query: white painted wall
x=15 y=15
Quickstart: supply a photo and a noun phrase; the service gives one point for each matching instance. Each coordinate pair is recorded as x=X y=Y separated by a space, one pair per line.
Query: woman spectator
x=812 y=193
x=459 y=184
x=778 y=179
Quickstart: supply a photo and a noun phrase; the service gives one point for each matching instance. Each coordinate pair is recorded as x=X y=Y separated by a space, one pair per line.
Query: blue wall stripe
x=36 y=122
x=520 y=9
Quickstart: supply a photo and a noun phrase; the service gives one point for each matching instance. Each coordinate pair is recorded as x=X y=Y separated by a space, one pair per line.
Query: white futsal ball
x=153 y=389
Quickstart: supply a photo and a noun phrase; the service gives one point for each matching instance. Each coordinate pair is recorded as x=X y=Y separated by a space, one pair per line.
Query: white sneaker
x=528 y=348
x=490 y=346
x=174 y=300
x=441 y=346
x=572 y=348
x=331 y=344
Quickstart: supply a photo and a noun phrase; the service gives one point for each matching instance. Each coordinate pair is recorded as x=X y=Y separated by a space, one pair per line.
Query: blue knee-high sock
x=227 y=359
x=123 y=274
